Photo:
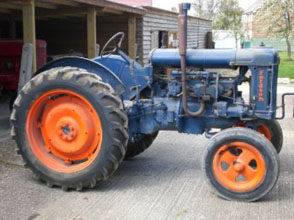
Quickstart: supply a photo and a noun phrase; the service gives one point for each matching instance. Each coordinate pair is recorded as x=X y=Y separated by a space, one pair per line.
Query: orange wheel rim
x=240 y=124
x=64 y=131
x=262 y=129
x=239 y=167
x=265 y=131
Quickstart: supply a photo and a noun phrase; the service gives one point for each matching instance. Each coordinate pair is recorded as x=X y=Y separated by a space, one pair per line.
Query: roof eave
x=113 y=5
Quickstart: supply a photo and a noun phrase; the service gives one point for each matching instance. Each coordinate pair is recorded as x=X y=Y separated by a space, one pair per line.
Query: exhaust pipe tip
x=185 y=6
x=182 y=27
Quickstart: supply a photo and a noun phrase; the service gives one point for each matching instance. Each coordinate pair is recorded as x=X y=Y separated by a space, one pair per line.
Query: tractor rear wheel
x=241 y=164
x=271 y=129
x=140 y=143
x=70 y=128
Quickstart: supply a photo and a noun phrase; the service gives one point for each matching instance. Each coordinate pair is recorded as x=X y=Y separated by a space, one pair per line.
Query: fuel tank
x=216 y=58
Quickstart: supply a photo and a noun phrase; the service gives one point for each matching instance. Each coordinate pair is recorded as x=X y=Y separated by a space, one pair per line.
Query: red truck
x=10 y=61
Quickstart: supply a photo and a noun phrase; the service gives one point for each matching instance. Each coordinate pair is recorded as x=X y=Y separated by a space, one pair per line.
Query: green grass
x=286 y=67
x=182 y=213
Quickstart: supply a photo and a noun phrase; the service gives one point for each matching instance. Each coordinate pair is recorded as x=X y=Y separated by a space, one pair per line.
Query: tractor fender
x=93 y=67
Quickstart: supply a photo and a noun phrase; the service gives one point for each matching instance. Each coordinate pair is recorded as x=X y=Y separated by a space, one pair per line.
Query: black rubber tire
x=109 y=108
x=276 y=131
x=257 y=140
x=140 y=144
x=12 y=99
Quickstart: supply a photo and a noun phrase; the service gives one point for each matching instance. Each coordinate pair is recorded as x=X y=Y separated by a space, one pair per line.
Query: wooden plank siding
x=72 y=33
x=63 y=25
x=160 y=20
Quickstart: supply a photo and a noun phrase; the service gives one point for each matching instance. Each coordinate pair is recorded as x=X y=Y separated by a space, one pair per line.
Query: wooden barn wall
x=197 y=30
x=65 y=35
x=107 y=26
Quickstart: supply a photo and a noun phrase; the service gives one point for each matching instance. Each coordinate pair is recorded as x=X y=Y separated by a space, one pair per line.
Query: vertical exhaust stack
x=183 y=27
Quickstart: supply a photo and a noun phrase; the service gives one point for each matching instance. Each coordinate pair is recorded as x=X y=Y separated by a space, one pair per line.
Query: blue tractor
x=77 y=119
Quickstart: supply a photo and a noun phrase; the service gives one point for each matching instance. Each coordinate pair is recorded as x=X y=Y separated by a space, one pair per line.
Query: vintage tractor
x=77 y=119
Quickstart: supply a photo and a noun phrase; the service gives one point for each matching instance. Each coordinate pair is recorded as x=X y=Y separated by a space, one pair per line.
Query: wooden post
x=132 y=36
x=26 y=67
x=91 y=31
x=29 y=27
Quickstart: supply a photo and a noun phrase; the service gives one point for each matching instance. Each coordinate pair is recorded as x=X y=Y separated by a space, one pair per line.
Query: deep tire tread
x=105 y=94
x=139 y=146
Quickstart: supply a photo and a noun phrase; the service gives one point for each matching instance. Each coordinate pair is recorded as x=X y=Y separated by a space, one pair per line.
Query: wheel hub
x=67 y=129
x=239 y=166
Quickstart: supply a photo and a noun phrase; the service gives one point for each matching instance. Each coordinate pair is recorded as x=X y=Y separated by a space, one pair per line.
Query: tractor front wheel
x=271 y=129
x=70 y=128
x=241 y=164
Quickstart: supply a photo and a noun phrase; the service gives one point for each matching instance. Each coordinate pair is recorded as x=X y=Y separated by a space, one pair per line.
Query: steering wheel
x=114 y=38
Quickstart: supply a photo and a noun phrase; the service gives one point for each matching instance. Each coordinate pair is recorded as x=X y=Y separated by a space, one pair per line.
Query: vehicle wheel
x=70 y=128
x=241 y=164
x=141 y=143
x=271 y=129
x=12 y=98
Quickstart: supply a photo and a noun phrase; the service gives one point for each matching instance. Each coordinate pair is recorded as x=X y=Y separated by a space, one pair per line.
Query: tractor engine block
x=207 y=86
x=163 y=110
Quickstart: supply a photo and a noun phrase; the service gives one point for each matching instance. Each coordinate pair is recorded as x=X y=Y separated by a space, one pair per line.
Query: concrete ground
x=165 y=182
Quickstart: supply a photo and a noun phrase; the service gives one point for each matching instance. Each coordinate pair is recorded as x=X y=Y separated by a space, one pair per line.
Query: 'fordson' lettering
x=261 y=86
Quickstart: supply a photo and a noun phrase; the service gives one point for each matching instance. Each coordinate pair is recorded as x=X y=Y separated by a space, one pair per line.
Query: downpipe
x=183 y=26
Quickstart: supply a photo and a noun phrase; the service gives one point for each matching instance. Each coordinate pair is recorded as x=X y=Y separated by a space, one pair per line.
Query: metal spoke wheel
x=241 y=164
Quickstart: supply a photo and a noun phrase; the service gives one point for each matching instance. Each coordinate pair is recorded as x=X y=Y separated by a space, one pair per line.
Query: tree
x=229 y=17
x=278 y=19
x=205 y=8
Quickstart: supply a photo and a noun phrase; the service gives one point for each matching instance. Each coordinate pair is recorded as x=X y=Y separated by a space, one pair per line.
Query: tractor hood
x=216 y=58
